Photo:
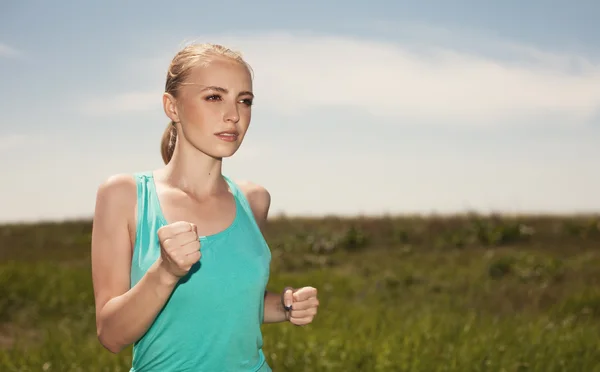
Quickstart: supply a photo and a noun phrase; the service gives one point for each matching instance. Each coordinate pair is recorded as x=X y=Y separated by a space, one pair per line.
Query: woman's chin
x=221 y=151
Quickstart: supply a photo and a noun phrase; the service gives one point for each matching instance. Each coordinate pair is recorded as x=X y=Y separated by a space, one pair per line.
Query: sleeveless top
x=212 y=321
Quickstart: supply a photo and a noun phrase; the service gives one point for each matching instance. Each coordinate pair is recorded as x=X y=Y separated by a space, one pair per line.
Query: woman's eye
x=214 y=97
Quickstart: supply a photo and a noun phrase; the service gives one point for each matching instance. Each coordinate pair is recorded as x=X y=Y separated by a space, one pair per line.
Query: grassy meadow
x=462 y=293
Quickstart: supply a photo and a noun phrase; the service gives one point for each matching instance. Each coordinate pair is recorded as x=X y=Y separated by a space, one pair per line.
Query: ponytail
x=167 y=142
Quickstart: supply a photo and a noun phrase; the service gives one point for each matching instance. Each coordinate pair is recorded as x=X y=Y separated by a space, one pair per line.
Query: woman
x=179 y=263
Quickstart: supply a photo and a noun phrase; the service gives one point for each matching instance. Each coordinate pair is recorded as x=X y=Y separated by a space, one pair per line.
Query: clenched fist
x=301 y=304
x=179 y=247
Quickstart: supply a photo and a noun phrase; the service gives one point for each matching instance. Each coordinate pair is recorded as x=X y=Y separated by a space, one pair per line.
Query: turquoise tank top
x=212 y=321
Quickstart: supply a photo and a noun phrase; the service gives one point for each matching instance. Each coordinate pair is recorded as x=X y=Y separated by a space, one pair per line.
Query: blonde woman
x=179 y=263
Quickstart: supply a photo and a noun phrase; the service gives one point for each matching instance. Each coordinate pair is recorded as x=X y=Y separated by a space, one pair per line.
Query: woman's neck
x=195 y=173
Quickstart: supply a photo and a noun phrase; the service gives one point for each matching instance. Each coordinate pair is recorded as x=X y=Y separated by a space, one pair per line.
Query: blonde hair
x=190 y=56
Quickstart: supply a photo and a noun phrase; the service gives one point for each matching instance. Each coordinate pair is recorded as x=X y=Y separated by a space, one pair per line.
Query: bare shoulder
x=116 y=200
x=115 y=214
x=258 y=197
x=118 y=189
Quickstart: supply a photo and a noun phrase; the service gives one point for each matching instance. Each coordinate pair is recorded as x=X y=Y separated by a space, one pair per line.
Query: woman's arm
x=274 y=311
x=122 y=314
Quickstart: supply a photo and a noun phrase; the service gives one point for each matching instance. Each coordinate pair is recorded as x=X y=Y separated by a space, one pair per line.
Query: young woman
x=179 y=263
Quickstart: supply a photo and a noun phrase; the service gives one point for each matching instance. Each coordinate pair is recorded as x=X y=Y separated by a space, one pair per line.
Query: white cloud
x=427 y=83
x=431 y=84
x=8 y=51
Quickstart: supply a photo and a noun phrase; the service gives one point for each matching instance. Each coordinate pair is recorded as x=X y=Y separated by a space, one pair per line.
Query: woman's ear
x=170 y=107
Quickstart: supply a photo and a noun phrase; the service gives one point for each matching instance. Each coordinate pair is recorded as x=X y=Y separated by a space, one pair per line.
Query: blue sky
x=362 y=108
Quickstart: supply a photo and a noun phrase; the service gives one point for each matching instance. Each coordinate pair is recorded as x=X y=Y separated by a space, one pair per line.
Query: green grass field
x=462 y=293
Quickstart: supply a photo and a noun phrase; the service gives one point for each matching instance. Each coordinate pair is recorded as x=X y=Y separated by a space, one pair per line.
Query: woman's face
x=213 y=107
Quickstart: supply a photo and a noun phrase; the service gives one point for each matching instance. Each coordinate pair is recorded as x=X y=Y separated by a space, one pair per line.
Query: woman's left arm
x=302 y=303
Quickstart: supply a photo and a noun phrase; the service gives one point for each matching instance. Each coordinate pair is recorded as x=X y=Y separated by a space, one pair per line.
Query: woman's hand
x=300 y=304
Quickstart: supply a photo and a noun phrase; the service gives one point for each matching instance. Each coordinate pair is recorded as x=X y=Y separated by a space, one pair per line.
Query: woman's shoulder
x=117 y=190
x=258 y=197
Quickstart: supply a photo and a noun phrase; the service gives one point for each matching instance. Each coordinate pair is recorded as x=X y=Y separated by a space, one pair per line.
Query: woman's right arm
x=123 y=315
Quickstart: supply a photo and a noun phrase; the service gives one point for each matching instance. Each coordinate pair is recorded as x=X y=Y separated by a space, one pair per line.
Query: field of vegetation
x=462 y=293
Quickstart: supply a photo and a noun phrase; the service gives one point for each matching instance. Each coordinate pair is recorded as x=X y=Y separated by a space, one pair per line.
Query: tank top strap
x=243 y=201
x=143 y=195
x=145 y=226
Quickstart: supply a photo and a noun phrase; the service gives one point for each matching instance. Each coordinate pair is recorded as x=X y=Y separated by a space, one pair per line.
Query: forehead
x=222 y=72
